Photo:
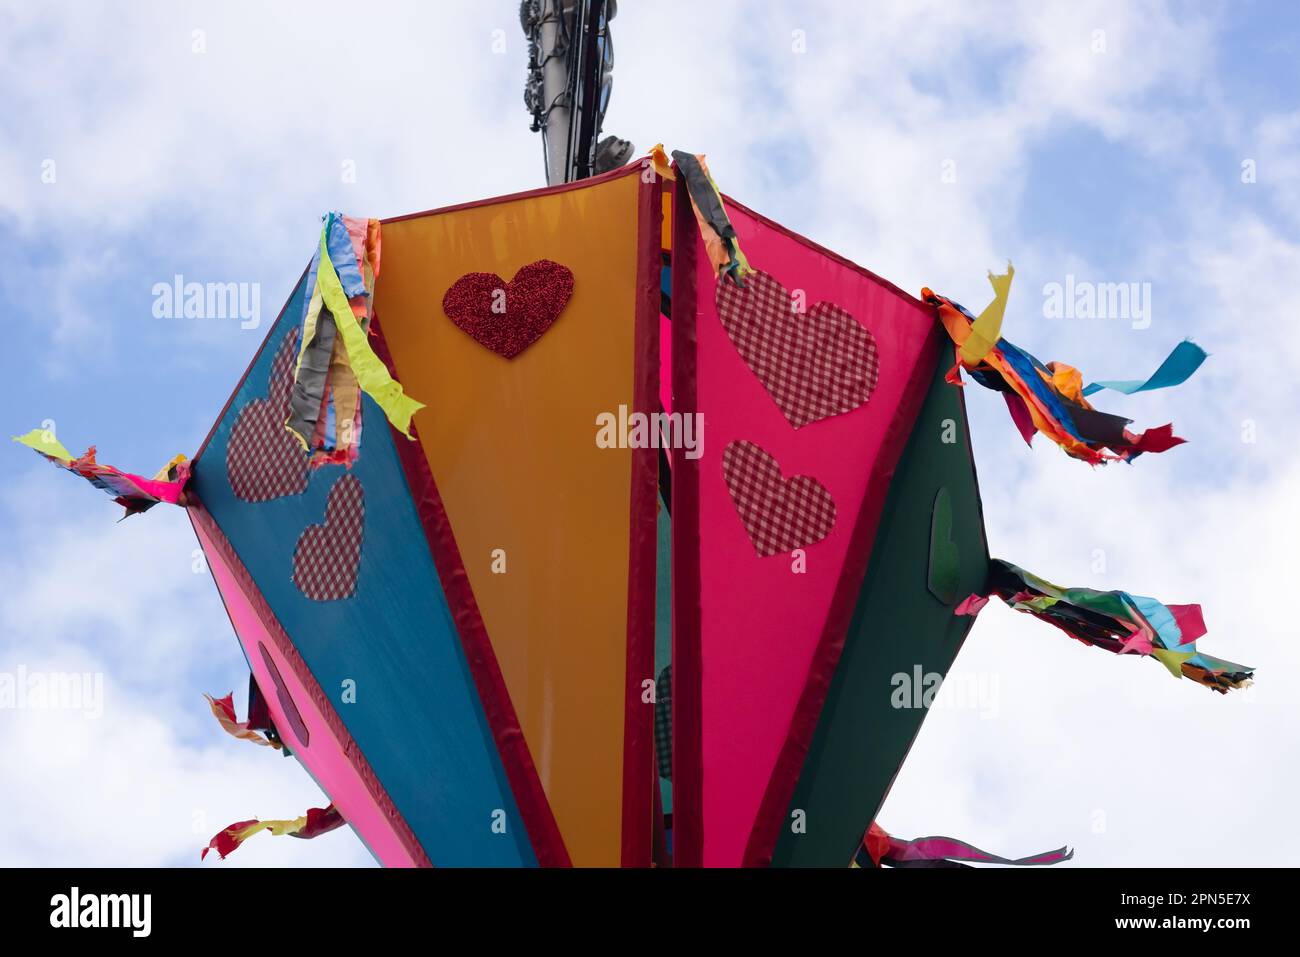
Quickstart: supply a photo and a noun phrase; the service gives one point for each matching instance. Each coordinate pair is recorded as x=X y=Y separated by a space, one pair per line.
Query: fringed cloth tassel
x=1116 y=621
x=335 y=360
x=1050 y=398
x=133 y=492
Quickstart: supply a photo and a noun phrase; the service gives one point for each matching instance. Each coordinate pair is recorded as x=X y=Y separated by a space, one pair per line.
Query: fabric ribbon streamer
x=881 y=849
x=719 y=235
x=1175 y=370
x=1050 y=397
x=975 y=339
x=223 y=709
x=335 y=361
x=317 y=821
x=659 y=161
x=133 y=492
x=1116 y=621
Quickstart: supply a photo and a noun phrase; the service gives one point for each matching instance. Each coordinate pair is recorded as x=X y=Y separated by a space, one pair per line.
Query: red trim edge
x=640 y=777
x=634 y=166
x=828 y=253
x=687 y=703
x=525 y=784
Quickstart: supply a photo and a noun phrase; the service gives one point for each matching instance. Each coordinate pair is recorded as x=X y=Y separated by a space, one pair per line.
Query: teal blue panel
x=417 y=717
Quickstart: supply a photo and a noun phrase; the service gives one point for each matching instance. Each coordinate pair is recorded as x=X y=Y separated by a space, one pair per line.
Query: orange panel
x=666 y=229
x=512 y=446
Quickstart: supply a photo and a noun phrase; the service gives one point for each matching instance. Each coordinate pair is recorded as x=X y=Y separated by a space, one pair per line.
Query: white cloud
x=121 y=790
x=153 y=777
x=1277 y=139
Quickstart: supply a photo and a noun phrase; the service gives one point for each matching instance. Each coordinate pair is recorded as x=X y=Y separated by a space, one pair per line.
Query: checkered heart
x=508 y=317
x=263 y=460
x=326 y=558
x=814 y=364
x=779 y=514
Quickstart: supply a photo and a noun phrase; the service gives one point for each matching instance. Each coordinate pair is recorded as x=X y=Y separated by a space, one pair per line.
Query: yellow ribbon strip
x=1173 y=660
x=662 y=164
x=277 y=828
x=983 y=334
x=43 y=441
x=371 y=374
x=165 y=473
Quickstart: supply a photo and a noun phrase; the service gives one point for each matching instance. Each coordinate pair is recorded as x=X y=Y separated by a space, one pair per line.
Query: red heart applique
x=779 y=514
x=508 y=317
x=326 y=558
x=262 y=459
x=814 y=364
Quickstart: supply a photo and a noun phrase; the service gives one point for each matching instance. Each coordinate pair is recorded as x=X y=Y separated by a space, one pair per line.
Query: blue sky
x=1100 y=140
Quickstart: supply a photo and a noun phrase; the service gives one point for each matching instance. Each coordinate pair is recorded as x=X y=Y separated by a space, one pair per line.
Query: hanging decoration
x=1116 y=621
x=1050 y=397
x=881 y=849
x=335 y=359
x=133 y=492
x=317 y=821
x=834 y=429
x=720 y=241
x=223 y=709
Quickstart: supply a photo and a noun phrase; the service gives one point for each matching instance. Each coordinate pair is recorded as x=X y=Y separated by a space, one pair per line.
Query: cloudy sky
x=1112 y=142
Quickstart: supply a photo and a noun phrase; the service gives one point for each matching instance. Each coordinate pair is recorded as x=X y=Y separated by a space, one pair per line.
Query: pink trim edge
x=334 y=758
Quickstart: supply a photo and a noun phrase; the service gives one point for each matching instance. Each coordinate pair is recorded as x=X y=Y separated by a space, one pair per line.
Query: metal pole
x=555 y=86
x=570 y=58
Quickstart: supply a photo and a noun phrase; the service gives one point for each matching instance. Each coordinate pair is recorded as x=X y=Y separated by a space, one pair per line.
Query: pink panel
x=761 y=622
x=665 y=363
x=324 y=757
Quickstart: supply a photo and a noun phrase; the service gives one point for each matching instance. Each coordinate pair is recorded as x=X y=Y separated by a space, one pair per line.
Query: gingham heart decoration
x=813 y=364
x=778 y=514
x=326 y=558
x=264 y=461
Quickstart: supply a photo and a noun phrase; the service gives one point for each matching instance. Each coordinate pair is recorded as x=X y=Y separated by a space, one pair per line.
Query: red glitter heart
x=813 y=365
x=508 y=317
x=326 y=558
x=779 y=514
x=263 y=460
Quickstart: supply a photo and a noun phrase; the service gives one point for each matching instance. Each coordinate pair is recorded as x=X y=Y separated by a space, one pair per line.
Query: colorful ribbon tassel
x=133 y=492
x=317 y=821
x=1116 y=621
x=720 y=241
x=1050 y=397
x=335 y=360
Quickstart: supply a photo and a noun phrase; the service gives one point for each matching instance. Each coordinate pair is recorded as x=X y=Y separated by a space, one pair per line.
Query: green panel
x=898 y=626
